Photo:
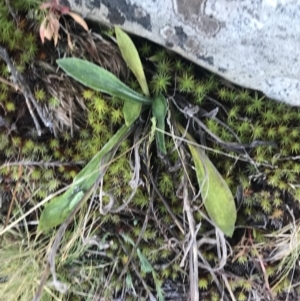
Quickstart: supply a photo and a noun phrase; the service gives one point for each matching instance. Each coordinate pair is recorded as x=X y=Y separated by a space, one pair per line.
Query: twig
x=240 y=157
x=232 y=146
x=41 y=163
x=6 y=82
x=225 y=280
x=289 y=158
x=20 y=84
x=11 y=10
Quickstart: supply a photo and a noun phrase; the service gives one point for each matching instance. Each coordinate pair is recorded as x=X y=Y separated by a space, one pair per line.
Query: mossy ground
x=256 y=152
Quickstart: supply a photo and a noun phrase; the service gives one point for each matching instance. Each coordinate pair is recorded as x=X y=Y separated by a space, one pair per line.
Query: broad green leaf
x=132 y=58
x=100 y=79
x=130 y=55
x=217 y=197
x=131 y=112
x=159 y=111
x=59 y=208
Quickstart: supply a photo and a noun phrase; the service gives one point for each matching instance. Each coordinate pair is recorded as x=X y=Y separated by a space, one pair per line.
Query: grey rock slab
x=252 y=43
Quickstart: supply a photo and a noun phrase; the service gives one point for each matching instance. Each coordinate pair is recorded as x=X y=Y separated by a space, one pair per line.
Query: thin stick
x=6 y=82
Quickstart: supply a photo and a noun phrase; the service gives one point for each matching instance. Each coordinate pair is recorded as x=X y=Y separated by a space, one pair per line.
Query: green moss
x=145 y=50
x=186 y=83
x=164 y=66
x=160 y=83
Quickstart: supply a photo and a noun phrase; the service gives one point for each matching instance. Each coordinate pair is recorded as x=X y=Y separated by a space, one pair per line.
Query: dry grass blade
x=21 y=268
x=33 y=209
x=61 y=287
x=285 y=245
x=68 y=114
x=78 y=19
x=193 y=258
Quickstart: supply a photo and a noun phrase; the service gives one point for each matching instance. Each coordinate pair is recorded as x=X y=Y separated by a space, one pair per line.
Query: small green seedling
x=102 y=80
x=221 y=209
